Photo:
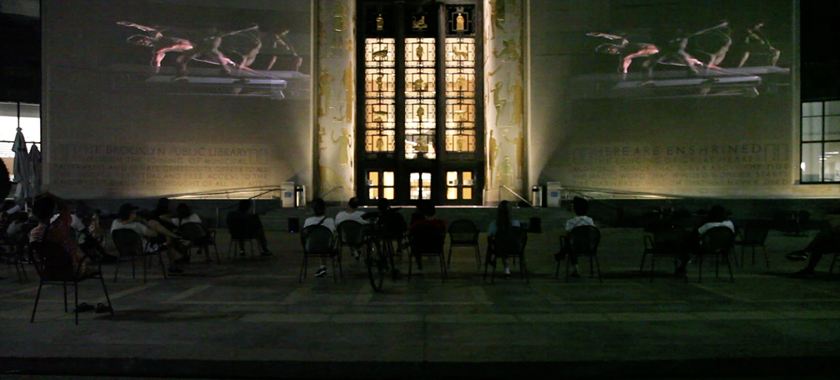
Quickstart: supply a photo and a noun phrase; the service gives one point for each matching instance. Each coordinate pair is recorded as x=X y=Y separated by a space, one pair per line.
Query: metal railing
x=514 y=193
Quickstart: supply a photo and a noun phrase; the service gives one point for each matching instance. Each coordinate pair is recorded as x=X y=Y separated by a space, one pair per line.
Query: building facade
x=463 y=102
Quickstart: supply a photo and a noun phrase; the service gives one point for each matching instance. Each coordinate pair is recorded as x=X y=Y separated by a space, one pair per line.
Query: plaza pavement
x=250 y=318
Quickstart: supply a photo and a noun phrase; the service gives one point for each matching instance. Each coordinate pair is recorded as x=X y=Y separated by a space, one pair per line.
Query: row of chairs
x=319 y=242
x=717 y=243
x=54 y=267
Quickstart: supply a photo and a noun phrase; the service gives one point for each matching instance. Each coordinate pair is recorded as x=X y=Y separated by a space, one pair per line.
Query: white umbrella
x=35 y=159
x=22 y=168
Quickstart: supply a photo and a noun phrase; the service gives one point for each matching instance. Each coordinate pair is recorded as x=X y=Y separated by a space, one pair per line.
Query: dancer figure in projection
x=674 y=47
x=208 y=45
x=159 y=43
x=756 y=42
x=625 y=50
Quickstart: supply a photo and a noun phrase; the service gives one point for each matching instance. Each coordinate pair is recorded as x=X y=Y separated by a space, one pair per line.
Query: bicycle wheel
x=376 y=264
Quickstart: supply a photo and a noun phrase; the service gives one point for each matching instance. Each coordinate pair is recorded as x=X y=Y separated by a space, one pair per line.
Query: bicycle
x=379 y=253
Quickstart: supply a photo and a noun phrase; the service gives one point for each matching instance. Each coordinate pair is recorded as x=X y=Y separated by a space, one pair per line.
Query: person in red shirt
x=427 y=209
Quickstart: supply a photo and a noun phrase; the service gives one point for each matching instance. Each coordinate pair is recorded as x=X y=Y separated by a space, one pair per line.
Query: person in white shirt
x=183 y=214
x=717 y=218
x=319 y=208
x=580 y=207
x=127 y=219
x=353 y=214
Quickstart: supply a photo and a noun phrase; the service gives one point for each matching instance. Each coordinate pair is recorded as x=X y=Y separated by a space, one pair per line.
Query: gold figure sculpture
x=460 y=115
x=380 y=116
x=419 y=51
x=460 y=83
x=518 y=103
x=419 y=85
x=509 y=53
x=498 y=101
x=380 y=22
x=339 y=24
x=497 y=17
x=419 y=24
x=459 y=23
x=506 y=173
x=492 y=153
x=519 y=144
x=422 y=147
x=325 y=81
x=349 y=91
x=379 y=83
x=379 y=144
x=380 y=54
x=420 y=113
x=459 y=54
x=344 y=143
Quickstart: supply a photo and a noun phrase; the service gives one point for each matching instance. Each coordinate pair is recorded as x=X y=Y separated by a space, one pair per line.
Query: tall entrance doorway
x=420 y=134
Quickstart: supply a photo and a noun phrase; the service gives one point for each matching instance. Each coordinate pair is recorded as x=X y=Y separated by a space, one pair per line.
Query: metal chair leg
x=76 y=300
x=107 y=298
x=598 y=266
x=37 y=297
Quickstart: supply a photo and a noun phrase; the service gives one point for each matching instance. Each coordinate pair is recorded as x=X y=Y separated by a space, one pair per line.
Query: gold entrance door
x=421 y=134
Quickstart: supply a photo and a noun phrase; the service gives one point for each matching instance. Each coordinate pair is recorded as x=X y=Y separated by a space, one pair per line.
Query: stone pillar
x=335 y=92
x=505 y=131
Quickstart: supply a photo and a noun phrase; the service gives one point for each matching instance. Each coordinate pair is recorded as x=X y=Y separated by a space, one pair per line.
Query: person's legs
x=825 y=242
x=262 y=240
x=573 y=261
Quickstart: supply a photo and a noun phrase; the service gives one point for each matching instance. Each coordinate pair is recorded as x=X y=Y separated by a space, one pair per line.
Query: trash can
x=294 y=225
x=300 y=196
x=536 y=196
x=535 y=225
x=555 y=192
x=287 y=194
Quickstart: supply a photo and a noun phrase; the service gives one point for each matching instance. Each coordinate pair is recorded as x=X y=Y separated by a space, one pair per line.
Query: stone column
x=335 y=98
x=504 y=49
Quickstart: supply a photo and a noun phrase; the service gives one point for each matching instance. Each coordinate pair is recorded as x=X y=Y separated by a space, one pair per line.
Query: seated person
x=59 y=231
x=319 y=208
x=504 y=221
x=427 y=209
x=391 y=224
x=580 y=207
x=82 y=220
x=127 y=219
x=354 y=214
x=717 y=218
x=246 y=221
x=826 y=241
x=162 y=214
x=183 y=214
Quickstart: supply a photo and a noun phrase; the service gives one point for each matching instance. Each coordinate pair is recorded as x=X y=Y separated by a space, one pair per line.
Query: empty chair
x=581 y=241
x=131 y=247
x=318 y=241
x=463 y=233
x=507 y=244
x=55 y=267
x=717 y=242
x=427 y=241
x=754 y=236
x=665 y=242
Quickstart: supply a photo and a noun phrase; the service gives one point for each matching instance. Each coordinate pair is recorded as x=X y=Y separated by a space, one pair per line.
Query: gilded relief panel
x=504 y=26
x=336 y=86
